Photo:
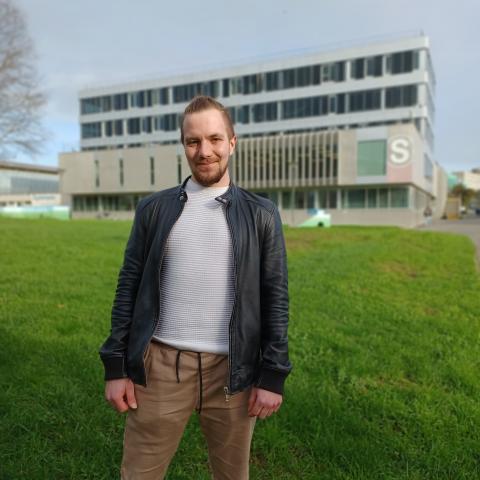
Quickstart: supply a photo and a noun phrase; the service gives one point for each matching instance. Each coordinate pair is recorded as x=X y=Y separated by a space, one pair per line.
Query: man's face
x=207 y=147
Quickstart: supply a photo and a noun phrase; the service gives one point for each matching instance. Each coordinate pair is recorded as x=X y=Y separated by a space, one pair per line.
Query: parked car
x=319 y=218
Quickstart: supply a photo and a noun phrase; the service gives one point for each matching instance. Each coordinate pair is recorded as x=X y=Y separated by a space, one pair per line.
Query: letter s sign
x=400 y=150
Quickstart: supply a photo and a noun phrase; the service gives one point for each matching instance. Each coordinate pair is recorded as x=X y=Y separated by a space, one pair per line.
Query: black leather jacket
x=258 y=349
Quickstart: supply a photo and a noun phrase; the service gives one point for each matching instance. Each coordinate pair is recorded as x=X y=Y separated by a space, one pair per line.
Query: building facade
x=469 y=179
x=23 y=184
x=349 y=131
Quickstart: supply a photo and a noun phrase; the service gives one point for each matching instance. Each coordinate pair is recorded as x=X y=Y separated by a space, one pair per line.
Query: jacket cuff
x=271 y=380
x=114 y=367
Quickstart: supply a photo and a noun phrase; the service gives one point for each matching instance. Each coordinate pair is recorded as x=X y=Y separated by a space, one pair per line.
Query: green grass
x=384 y=340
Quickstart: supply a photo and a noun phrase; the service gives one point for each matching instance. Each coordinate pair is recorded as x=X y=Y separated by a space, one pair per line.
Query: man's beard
x=206 y=179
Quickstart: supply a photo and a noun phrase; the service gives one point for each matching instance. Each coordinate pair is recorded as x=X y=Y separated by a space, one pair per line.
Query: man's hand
x=263 y=403
x=121 y=394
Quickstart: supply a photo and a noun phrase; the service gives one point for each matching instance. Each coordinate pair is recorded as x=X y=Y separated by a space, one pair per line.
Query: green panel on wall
x=372 y=158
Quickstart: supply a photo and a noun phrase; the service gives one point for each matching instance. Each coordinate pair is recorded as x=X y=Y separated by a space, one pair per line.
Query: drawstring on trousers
x=177 y=365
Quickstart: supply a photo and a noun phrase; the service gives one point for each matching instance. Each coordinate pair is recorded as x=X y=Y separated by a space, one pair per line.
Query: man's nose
x=205 y=149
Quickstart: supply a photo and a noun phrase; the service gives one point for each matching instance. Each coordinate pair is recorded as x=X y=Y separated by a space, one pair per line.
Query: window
x=91 y=105
x=226 y=87
x=147 y=124
x=372 y=198
x=310 y=199
x=272 y=81
x=357 y=67
x=405 y=96
x=120 y=101
x=399 y=197
x=91 y=130
x=300 y=200
x=371 y=158
x=374 y=66
x=170 y=122
x=383 y=197
x=133 y=126
x=252 y=84
x=152 y=171
x=286 y=199
x=356 y=198
x=97 y=173
x=164 y=96
x=243 y=114
x=402 y=62
x=108 y=128
x=364 y=100
x=118 y=124
x=289 y=78
x=120 y=171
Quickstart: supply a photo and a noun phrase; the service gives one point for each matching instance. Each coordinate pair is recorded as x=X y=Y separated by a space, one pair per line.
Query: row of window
x=404 y=96
x=371 y=198
x=310 y=75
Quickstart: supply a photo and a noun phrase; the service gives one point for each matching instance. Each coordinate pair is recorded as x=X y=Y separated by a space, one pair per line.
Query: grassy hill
x=384 y=340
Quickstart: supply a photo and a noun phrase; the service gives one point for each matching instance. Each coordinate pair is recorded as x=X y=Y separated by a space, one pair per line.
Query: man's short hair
x=204 y=102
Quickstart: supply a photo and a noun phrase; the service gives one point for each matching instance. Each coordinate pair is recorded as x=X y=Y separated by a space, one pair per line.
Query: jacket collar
x=224 y=198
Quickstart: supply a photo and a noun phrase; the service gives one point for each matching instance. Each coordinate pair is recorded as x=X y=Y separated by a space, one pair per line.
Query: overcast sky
x=92 y=42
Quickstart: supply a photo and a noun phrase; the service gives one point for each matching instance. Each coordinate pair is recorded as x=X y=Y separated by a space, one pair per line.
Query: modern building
x=348 y=130
x=23 y=184
x=469 y=179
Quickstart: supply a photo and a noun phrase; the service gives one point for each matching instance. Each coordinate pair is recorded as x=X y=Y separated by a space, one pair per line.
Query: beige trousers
x=180 y=382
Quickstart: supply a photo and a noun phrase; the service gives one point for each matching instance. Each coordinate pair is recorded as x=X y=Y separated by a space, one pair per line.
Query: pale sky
x=96 y=42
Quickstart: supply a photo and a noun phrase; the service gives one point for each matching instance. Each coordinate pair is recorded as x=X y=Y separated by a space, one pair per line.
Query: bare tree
x=20 y=97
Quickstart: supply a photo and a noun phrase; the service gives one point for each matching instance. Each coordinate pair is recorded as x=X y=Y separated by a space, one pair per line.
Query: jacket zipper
x=228 y=388
x=157 y=319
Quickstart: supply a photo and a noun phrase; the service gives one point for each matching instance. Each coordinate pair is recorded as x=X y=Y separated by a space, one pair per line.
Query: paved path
x=469 y=226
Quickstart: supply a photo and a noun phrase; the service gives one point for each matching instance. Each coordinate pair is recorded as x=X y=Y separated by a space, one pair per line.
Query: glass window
x=272 y=81
x=339 y=72
x=120 y=171
x=358 y=68
x=404 y=96
x=133 y=126
x=97 y=173
x=152 y=171
x=147 y=124
x=356 y=198
x=289 y=78
x=399 y=197
x=91 y=130
x=286 y=199
x=372 y=198
x=304 y=76
x=258 y=112
x=108 y=128
x=299 y=200
x=341 y=103
x=164 y=96
x=322 y=199
x=383 y=197
x=371 y=158
x=120 y=101
x=402 y=62
x=310 y=199
x=226 y=87
x=118 y=127
x=332 y=199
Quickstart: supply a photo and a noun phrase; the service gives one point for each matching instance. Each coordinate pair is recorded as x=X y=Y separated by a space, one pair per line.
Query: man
x=199 y=320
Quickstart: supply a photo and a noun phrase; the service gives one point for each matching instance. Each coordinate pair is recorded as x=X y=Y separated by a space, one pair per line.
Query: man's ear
x=233 y=143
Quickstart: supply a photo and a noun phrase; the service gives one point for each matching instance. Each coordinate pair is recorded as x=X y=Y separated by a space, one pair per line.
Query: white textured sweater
x=196 y=279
